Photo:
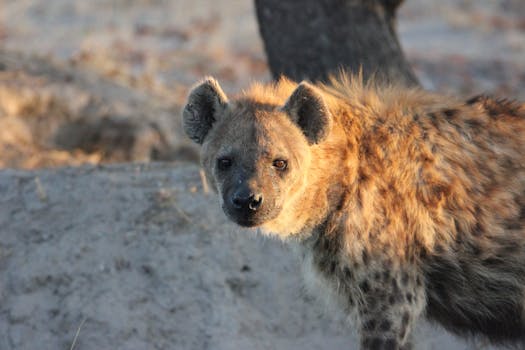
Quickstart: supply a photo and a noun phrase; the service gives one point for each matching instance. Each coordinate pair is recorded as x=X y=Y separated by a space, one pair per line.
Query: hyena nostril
x=237 y=202
x=256 y=202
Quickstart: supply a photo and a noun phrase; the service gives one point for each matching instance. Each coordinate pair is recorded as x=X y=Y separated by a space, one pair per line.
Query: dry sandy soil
x=139 y=256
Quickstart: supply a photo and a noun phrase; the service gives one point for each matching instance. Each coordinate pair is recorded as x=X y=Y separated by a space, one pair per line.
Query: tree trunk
x=310 y=39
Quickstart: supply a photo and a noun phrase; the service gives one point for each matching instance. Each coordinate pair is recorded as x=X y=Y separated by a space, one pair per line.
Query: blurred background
x=103 y=80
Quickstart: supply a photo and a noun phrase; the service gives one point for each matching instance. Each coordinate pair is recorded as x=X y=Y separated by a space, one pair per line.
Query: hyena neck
x=333 y=176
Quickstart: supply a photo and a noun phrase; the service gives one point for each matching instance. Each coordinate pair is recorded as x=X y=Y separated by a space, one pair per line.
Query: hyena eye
x=280 y=164
x=224 y=163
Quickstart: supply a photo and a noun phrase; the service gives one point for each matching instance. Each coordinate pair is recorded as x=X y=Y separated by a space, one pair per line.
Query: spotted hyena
x=404 y=204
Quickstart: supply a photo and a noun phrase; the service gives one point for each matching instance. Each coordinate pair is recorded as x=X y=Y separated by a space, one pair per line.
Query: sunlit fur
x=412 y=206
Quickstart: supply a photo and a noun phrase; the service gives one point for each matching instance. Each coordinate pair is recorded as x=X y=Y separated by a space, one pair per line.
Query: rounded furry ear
x=206 y=102
x=307 y=108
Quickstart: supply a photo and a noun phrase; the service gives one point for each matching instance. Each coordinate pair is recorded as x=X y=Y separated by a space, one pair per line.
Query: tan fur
x=413 y=204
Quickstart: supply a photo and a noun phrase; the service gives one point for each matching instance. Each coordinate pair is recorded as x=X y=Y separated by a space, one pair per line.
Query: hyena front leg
x=390 y=305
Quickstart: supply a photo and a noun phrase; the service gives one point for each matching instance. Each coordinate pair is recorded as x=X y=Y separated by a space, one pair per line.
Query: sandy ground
x=139 y=256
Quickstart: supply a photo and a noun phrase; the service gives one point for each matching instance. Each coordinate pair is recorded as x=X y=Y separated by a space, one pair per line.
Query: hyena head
x=256 y=154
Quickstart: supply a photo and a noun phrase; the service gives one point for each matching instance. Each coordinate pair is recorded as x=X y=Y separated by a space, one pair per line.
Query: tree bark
x=311 y=39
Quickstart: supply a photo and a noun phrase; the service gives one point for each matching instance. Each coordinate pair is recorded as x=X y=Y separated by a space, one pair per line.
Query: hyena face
x=255 y=155
x=252 y=168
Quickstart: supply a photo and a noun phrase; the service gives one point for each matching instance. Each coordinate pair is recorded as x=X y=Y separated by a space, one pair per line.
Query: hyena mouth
x=245 y=219
x=249 y=218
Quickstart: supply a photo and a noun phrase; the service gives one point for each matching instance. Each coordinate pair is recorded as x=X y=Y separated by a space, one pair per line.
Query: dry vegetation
x=54 y=114
x=108 y=78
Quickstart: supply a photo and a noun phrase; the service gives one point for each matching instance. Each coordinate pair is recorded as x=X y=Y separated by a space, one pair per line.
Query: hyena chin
x=405 y=204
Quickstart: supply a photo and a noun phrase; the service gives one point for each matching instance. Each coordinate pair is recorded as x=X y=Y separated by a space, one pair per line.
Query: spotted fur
x=403 y=204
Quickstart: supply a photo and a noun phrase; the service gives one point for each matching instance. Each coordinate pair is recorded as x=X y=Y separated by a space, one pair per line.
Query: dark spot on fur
x=363 y=177
x=376 y=344
x=395 y=298
x=386 y=276
x=474 y=249
x=478 y=230
x=372 y=304
x=367 y=343
x=365 y=257
x=450 y=112
x=475 y=99
x=364 y=286
x=395 y=293
x=372 y=236
x=395 y=287
x=439 y=191
x=439 y=249
x=348 y=273
x=427 y=159
x=434 y=120
x=370 y=325
x=493 y=261
x=385 y=325
x=514 y=225
x=474 y=123
x=409 y=297
x=377 y=276
x=456 y=226
x=419 y=281
x=404 y=279
x=510 y=249
x=343 y=201
x=390 y=343
x=333 y=266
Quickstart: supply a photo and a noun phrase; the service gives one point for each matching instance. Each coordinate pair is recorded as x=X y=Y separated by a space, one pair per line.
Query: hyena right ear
x=307 y=108
x=205 y=102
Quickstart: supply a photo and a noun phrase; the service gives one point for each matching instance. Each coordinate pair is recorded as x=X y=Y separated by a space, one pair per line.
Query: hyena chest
x=327 y=277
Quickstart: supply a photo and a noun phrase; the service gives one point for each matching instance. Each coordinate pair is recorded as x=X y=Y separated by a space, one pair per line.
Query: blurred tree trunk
x=309 y=39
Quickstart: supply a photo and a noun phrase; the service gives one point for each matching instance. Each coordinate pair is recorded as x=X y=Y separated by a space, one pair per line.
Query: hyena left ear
x=205 y=104
x=307 y=108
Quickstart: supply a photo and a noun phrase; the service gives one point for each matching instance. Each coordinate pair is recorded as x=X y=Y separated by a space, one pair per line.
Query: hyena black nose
x=246 y=200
